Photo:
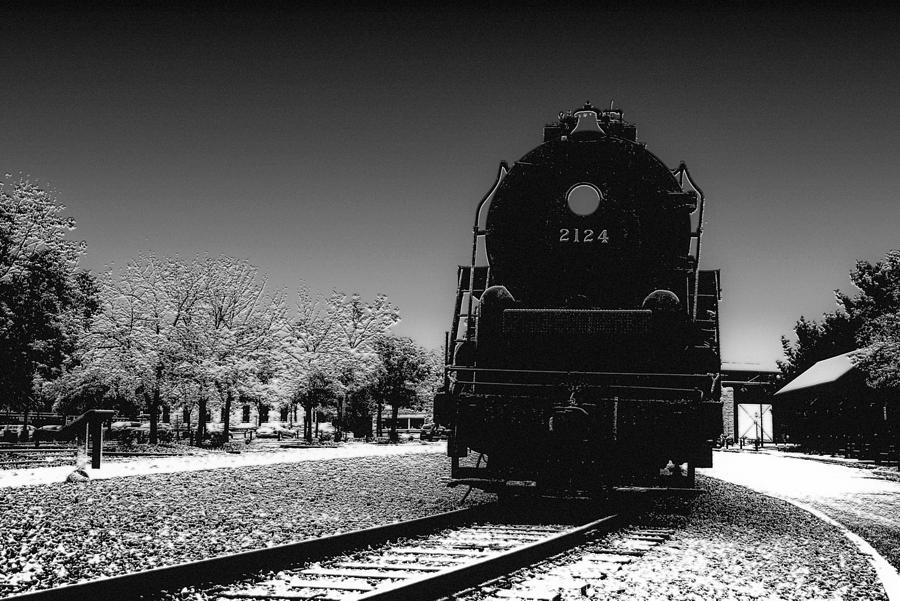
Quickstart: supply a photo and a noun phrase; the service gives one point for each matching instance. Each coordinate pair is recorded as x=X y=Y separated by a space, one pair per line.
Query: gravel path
x=866 y=504
x=264 y=454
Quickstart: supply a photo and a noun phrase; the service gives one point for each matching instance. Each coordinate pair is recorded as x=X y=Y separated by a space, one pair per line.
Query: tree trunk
x=307 y=421
x=201 y=421
x=186 y=420
x=226 y=422
x=394 y=410
x=378 y=411
x=154 y=417
x=154 y=407
x=339 y=423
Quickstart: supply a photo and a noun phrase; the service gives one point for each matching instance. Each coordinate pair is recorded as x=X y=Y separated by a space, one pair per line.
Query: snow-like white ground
x=162 y=465
x=834 y=493
x=799 y=479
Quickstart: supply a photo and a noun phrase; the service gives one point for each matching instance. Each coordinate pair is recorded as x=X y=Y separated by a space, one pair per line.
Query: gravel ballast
x=736 y=544
x=732 y=544
x=58 y=534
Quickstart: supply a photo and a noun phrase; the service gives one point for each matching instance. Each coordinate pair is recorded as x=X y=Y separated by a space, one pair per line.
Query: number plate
x=583 y=236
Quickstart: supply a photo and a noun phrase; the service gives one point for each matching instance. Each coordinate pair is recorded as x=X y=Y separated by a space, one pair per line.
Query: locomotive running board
x=492 y=484
x=660 y=490
x=527 y=488
x=530 y=488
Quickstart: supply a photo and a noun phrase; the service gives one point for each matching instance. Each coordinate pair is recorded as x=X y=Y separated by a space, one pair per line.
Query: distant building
x=746 y=403
x=408 y=422
x=829 y=409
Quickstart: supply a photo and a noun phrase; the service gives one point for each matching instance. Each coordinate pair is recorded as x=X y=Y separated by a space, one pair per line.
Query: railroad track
x=426 y=567
x=427 y=558
x=591 y=570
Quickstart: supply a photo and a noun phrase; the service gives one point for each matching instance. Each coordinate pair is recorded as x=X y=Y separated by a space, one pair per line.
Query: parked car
x=145 y=427
x=116 y=428
x=50 y=432
x=434 y=432
x=216 y=427
x=274 y=430
x=141 y=429
x=13 y=432
x=123 y=425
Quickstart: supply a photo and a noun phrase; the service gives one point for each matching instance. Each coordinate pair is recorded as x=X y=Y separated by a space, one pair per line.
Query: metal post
x=734 y=413
x=615 y=419
x=97 y=439
x=757 y=426
x=762 y=429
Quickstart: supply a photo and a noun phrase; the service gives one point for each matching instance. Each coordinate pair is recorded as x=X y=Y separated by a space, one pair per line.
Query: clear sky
x=348 y=148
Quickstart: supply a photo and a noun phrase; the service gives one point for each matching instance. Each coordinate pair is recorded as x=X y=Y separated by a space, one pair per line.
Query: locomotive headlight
x=584 y=199
x=661 y=301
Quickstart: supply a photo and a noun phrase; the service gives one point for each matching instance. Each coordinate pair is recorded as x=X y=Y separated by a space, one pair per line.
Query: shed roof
x=826 y=371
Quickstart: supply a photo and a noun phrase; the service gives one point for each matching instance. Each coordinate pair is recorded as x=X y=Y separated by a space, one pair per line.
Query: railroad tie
x=608 y=553
x=387 y=566
x=529 y=595
x=357 y=573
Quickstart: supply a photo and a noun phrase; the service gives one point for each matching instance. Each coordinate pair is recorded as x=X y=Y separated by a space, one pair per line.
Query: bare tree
x=240 y=328
x=137 y=335
x=331 y=340
x=361 y=322
x=170 y=325
x=32 y=222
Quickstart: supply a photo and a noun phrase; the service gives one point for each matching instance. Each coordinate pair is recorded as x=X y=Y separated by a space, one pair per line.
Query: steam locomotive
x=584 y=347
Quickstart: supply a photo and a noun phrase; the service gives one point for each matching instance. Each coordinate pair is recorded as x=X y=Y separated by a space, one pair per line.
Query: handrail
x=90 y=414
x=476 y=231
x=92 y=420
x=680 y=173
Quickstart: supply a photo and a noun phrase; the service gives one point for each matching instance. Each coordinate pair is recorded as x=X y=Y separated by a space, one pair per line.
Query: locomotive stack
x=584 y=347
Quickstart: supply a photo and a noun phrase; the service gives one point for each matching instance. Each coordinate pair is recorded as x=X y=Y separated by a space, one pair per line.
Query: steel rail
x=227 y=568
x=452 y=580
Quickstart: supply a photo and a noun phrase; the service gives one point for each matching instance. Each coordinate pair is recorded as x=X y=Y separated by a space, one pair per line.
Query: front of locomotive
x=587 y=356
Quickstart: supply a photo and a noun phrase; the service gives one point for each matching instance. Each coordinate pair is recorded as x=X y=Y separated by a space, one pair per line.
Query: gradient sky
x=349 y=148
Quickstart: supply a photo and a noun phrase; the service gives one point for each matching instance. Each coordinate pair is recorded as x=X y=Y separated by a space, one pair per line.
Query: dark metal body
x=585 y=353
